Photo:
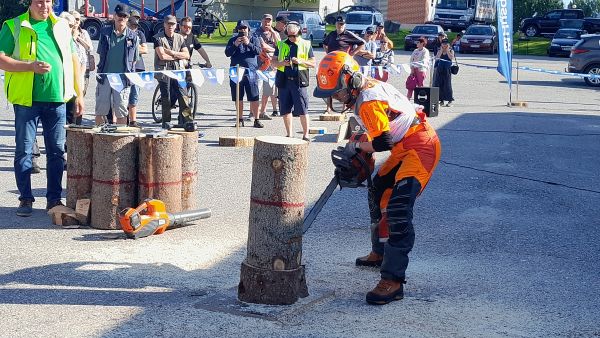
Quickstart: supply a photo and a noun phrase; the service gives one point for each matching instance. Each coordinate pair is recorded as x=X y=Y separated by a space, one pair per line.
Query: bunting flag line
x=214 y=75
x=197 y=77
x=143 y=80
x=115 y=82
x=236 y=73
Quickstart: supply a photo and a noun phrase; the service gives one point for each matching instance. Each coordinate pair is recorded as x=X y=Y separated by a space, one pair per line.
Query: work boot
x=372 y=259
x=386 y=291
x=275 y=113
x=25 y=208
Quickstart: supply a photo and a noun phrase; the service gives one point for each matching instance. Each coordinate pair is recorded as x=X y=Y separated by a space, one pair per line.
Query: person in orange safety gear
x=392 y=123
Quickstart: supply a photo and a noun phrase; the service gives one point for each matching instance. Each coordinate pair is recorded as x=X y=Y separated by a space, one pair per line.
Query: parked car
x=430 y=32
x=563 y=41
x=358 y=22
x=479 y=38
x=551 y=22
x=331 y=17
x=311 y=25
x=585 y=58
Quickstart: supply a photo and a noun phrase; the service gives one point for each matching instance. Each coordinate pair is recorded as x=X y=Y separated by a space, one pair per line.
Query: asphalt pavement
x=507 y=231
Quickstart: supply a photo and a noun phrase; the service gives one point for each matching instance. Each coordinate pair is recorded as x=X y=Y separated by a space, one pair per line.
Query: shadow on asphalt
x=563 y=83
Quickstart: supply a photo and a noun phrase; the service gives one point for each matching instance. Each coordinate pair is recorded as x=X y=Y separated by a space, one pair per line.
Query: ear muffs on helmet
x=355 y=80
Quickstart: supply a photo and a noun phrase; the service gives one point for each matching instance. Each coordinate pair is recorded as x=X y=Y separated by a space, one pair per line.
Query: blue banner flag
x=505 y=42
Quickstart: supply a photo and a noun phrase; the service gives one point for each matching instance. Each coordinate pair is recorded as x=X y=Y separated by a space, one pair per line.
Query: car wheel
x=593 y=70
x=531 y=31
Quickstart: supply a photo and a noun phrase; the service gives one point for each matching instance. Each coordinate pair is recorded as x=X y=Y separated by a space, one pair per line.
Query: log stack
x=79 y=165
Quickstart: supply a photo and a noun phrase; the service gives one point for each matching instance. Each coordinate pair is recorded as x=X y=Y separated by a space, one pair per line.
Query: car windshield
x=298 y=17
x=452 y=4
x=359 y=19
x=479 y=31
x=566 y=35
x=254 y=24
x=425 y=30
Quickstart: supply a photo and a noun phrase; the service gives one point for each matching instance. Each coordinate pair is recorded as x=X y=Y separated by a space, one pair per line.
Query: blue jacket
x=243 y=55
x=131 y=47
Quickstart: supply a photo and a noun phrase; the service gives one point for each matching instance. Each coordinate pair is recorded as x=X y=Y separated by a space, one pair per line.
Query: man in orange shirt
x=391 y=123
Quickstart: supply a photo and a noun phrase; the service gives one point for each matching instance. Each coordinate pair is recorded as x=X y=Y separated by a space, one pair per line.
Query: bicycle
x=207 y=23
x=191 y=94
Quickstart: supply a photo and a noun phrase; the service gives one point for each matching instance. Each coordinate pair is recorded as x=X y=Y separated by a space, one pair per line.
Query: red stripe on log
x=158 y=184
x=190 y=174
x=112 y=182
x=278 y=204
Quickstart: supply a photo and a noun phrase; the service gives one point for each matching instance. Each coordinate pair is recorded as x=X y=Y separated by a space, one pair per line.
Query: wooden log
x=69 y=220
x=317 y=130
x=272 y=272
x=82 y=211
x=233 y=141
x=160 y=170
x=114 y=184
x=189 y=169
x=332 y=117
x=79 y=165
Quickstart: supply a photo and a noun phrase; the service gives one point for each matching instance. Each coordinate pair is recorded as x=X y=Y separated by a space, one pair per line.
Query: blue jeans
x=53 y=116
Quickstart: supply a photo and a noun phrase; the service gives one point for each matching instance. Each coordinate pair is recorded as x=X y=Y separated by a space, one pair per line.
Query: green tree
x=285 y=4
x=525 y=8
x=589 y=7
x=10 y=9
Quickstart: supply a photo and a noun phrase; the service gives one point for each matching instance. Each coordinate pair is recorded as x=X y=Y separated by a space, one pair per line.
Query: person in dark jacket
x=243 y=50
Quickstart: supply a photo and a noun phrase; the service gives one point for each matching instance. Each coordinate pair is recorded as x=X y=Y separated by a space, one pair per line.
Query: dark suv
x=585 y=58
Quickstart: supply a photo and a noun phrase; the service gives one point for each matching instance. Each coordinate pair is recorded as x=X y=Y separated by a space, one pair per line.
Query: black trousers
x=169 y=92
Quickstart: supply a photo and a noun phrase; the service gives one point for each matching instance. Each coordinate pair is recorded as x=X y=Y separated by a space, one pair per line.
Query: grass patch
x=535 y=46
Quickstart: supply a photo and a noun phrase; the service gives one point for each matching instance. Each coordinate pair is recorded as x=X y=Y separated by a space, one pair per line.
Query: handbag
x=411 y=82
x=454 y=68
x=91 y=65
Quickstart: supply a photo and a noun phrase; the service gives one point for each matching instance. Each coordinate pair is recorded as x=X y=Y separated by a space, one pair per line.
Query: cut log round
x=189 y=169
x=274 y=252
x=114 y=185
x=233 y=141
x=332 y=117
x=79 y=165
x=160 y=170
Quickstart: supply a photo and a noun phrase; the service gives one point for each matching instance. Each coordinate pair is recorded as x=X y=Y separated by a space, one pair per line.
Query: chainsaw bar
x=316 y=209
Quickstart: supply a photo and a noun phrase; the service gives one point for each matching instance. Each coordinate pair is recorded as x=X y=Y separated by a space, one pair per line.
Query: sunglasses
x=186 y=26
x=122 y=16
x=292 y=36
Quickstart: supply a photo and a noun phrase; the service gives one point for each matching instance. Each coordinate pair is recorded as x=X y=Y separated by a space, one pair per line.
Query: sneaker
x=25 y=208
x=53 y=204
x=372 y=259
x=449 y=104
x=35 y=168
x=306 y=139
x=275 y=113
x=264 y=116
x=258 y=124
x=386 y=291
x=441 y=103
x=134 y=124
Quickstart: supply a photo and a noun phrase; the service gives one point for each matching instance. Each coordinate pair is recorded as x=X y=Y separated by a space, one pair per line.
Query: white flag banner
x=406 y=67
x=214 y=76
x=197 y=77
x=143 y=80
x=169 y=73
x=380 y=71
x=115 y=81
x=267 y=76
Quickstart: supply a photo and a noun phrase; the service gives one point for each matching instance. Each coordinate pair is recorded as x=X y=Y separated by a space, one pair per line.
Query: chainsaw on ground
x=152 y=218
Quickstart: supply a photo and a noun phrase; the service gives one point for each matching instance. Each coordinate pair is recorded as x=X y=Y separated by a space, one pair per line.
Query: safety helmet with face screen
x=338 y=71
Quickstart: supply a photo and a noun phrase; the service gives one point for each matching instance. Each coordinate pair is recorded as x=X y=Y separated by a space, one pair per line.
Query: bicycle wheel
x=222 y=28
x=193 y=96
x=157 y=105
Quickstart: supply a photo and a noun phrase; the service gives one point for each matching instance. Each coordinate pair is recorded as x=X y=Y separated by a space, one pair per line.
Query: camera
x=242 y=34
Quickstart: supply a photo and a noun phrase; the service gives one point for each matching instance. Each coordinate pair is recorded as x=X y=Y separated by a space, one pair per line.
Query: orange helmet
x=334 y=74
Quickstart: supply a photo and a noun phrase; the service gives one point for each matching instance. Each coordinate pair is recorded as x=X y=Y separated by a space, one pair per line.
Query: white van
x=357 y=22
x=311 y=24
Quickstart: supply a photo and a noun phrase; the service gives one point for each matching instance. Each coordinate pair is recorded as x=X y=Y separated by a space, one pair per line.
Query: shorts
x=134 y=94
x=293 y=96
x=118 y=101
x=247 y=87
x=267 y=90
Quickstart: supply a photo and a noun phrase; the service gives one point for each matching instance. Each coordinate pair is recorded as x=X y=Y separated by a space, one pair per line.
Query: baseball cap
x=282 y=18
x=380 y=24
x=121 y=10
x=340 y=19
x=370 y=30
x=267 y=16
x=134 y=13
x=242 y=23
x=445 y=41
x=170 y=19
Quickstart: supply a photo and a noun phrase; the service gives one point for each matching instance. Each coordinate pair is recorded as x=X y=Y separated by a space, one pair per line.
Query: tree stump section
x=114 y=184
x=189 y=169
x=272 y=272
x=232 y=141
x=160 y=170
x=79 y=165
x=332 y=117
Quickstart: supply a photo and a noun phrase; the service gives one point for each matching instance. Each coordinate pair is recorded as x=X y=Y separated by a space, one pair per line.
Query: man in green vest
x=39 y=57
x=293 y=57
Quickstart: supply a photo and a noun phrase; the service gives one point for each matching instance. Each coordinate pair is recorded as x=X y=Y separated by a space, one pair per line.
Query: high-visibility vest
x=18 y=86
x=284 y=51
